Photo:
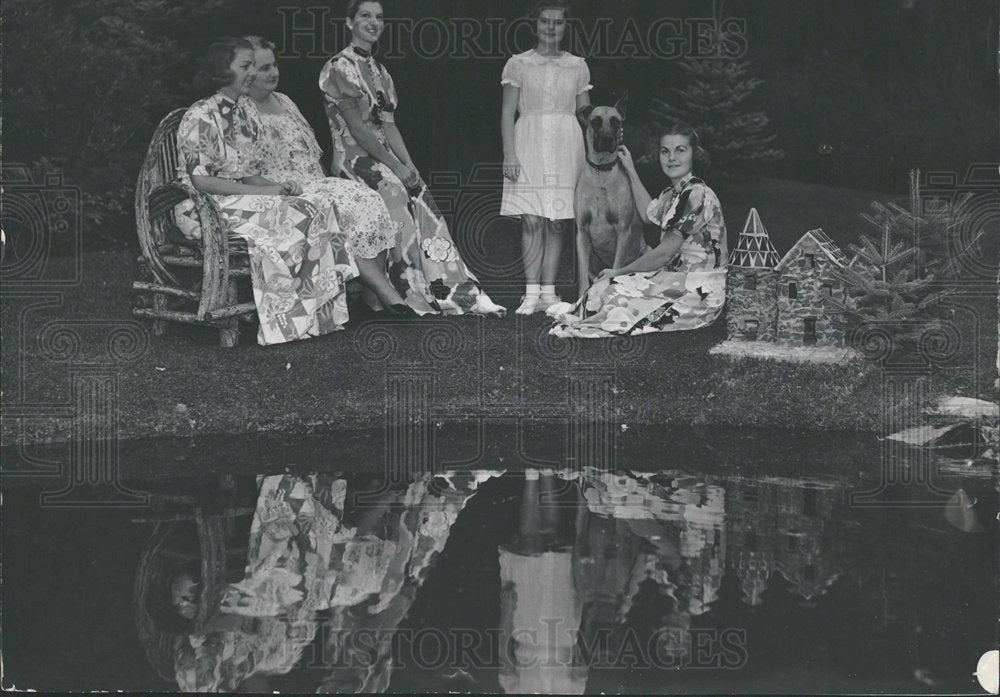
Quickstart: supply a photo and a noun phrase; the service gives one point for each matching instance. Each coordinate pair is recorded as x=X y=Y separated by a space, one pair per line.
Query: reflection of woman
x=680 y=283
x=424 y=265
x=289 y=151
x=303 y=559
x=543 y=150
x=298 y=258
x=540 y=608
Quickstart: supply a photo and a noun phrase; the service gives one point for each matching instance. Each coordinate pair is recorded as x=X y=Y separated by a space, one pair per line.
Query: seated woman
x=299 y=262
x=289 y=152
x=424 y=265
x=679 y=284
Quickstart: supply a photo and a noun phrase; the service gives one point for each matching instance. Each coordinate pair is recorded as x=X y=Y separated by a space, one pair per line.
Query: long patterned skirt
x=424 y=264
x=299 y=261
x=643 y=303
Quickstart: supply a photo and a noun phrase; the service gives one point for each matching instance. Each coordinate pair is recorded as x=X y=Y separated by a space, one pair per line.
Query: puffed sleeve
x=688 y=217
x=341 y=81
x=200 y=143
x=654 y=211
x=583 y=78
x=511 y=73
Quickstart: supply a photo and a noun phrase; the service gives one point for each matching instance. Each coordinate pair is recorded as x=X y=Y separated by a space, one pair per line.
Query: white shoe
x=530 y=304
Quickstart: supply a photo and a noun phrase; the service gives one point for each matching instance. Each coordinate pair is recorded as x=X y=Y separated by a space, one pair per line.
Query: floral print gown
x=425 y=266
x=688 y=293
x=298 y=255
x=302 y=559
x=289 y=151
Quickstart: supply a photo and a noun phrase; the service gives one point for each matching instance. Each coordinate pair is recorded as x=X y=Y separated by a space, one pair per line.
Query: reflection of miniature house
x=783 y=301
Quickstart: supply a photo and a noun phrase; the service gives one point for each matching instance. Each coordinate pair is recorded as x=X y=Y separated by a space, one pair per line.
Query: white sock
x=549 y=291
x=533 y=290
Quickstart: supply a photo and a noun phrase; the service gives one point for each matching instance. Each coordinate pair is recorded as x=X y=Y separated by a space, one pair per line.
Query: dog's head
x=604 y=126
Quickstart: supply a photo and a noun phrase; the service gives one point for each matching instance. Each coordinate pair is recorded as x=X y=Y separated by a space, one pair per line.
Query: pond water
x=794 y=563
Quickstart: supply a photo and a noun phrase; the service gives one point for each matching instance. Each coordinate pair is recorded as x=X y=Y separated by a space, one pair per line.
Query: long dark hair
x=214 y=70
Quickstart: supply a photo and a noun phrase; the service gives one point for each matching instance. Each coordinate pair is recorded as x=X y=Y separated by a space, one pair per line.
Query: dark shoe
x=398 y=311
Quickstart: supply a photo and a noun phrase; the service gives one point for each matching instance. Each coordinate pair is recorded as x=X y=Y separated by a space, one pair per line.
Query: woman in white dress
x=544 y=149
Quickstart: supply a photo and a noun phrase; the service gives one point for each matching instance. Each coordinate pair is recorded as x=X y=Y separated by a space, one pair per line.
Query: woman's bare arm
x=369 y=141
x=511 y=165
x=228 y=187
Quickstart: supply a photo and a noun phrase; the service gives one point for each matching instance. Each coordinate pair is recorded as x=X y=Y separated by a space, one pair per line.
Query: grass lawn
x=467 y=368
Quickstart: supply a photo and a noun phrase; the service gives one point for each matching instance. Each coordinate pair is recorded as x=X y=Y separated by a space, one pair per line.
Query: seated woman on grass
x=680 y=283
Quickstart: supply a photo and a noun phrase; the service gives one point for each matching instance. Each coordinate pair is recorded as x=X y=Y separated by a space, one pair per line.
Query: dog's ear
x=622 y=105
x=583 y=114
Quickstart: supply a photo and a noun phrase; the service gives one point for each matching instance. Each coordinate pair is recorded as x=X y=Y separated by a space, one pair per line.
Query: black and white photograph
x=500 y=346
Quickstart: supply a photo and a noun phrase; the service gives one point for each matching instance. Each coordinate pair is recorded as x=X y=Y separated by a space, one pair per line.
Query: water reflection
x=554 y=582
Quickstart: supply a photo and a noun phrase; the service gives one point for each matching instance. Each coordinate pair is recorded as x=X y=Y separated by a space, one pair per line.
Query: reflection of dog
x=609 y=229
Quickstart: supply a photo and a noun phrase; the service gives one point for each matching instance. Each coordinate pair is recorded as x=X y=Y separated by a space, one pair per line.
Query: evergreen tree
x=715 y=101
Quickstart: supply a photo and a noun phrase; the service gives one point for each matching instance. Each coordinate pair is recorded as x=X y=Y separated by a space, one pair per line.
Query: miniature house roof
x=754 y=249
x=820 y=239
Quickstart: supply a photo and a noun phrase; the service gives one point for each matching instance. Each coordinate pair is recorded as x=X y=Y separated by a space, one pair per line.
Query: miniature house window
x=827 y=290
x=811 y=260
x=751 y=283
x=751 y=540
x=809 y=337
x=809 y=502
x=793 y=543
x=793 y=291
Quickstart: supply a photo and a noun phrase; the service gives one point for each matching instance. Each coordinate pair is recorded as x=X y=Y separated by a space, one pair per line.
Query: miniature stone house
x=785 y=301
x=804 y=277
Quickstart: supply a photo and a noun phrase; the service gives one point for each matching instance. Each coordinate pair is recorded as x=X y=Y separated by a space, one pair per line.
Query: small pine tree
x=897 y=277
x=714 y=103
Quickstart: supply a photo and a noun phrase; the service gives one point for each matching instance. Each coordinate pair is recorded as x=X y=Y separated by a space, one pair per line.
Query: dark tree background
x=857 y=91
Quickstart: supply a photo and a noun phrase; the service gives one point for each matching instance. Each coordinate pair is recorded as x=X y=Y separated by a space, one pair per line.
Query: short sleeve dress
x=688 y=293
x=425 y=266
x=298 y=266
x=547 y=136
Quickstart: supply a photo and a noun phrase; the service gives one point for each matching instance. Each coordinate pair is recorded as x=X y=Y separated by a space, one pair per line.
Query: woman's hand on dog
x=625 y=157
x=511 y=168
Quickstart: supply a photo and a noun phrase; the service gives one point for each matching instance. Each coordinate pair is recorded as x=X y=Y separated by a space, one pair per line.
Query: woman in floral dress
x=289 y=151
x=360 y=97
x=679 y=284
x=299 y=257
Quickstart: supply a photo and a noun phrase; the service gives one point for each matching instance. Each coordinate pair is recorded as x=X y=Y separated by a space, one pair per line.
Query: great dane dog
x=608 y=226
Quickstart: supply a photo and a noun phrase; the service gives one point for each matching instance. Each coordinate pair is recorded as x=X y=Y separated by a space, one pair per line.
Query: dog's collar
x=606 y=167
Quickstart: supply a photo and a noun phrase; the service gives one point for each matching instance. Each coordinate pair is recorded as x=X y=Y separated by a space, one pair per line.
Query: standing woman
x=299 y=263
x=544 y=150
x=424 y=265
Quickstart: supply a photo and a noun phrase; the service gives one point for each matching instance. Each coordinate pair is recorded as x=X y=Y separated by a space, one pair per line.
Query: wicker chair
x=219 y=553
x=170 y=263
